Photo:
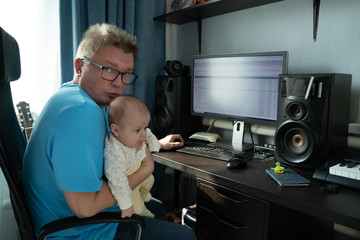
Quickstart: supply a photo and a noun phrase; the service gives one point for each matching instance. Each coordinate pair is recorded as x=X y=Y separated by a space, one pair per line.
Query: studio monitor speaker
x=172 y=107
x=312 y=119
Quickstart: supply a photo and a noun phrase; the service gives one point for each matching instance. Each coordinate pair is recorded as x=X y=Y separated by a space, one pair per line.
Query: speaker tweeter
x=296 y=111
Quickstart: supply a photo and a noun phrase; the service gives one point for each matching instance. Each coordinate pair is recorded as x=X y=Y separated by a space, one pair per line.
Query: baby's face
x=132 y=129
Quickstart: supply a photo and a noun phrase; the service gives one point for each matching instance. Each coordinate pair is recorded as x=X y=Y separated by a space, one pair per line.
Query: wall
x=286 y=25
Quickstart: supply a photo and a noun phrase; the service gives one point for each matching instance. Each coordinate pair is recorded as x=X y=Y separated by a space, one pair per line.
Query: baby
x=124 y=151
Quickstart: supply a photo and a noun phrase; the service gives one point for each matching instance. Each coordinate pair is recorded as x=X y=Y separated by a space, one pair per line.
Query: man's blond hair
x=99 y=35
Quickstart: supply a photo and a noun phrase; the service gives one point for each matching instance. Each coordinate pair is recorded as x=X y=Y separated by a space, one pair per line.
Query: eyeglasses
x=110 y=74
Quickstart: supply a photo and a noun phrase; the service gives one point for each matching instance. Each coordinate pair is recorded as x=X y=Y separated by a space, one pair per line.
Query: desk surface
x=342 y=207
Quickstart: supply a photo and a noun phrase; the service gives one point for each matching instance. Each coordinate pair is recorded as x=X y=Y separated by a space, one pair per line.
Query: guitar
x=26 y=119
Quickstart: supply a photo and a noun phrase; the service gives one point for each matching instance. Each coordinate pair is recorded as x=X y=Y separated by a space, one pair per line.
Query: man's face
x=100 y=90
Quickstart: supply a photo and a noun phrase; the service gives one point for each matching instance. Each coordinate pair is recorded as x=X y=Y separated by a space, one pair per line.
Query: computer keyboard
x=211 y=151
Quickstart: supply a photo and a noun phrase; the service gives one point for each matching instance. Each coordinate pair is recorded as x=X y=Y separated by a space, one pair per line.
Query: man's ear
x=114 y=129
x=78 y=66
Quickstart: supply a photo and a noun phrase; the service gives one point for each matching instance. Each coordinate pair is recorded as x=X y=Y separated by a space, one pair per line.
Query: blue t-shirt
x=65 y=153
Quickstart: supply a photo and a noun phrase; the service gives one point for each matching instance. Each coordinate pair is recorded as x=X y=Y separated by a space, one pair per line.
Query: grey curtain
x=136 y=17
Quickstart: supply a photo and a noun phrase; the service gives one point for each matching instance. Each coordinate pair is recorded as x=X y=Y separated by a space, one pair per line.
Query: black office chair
x=12 y=147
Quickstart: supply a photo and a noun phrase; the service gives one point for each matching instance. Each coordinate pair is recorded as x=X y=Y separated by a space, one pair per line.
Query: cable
x=251 y=135
x=211 y=125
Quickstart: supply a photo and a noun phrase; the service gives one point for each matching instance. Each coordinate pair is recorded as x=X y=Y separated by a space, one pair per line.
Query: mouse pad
x=288 y=178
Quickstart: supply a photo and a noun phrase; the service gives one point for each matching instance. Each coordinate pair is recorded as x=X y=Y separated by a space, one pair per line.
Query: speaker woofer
x=295 y=141
x=296 y=111
x=163 y=120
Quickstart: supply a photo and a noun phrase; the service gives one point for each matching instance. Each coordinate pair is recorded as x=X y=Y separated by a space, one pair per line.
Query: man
x=63 y=162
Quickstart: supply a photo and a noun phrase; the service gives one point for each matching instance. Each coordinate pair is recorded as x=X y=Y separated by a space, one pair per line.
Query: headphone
x=176 y=68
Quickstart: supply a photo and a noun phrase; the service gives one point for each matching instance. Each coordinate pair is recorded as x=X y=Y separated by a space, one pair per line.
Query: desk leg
x=176 y=189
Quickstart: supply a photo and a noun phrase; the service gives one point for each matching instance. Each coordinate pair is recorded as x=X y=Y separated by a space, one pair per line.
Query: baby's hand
x=127 y=212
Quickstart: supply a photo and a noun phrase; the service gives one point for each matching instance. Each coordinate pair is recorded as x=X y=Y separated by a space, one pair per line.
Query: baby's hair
x=120 y=105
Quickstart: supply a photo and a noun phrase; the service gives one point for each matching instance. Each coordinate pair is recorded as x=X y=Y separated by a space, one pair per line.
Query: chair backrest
x=12 y=140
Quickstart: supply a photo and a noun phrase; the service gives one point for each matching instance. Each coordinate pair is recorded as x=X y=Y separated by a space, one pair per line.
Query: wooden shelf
x=208 y=9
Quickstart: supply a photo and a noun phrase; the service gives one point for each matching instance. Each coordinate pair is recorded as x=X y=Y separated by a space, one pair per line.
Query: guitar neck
x=26 y=119
x=27 y=132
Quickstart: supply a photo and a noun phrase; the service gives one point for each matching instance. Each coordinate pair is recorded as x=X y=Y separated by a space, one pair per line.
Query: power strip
x=266 y=151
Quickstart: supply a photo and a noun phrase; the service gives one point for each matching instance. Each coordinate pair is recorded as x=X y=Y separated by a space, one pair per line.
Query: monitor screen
x=242 y=87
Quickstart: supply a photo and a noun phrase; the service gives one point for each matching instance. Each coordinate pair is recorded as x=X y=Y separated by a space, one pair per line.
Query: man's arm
x=87 y=204
x=145 y=170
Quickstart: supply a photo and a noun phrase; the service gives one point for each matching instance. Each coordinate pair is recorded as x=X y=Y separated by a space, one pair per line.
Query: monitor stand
x=237 y=142
x=238 y=135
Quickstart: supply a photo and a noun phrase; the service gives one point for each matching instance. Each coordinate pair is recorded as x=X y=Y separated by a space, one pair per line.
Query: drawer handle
x=217 y=193
x=231 y=225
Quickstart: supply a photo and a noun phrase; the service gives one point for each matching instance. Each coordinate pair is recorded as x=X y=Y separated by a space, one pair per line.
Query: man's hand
x=171 y=141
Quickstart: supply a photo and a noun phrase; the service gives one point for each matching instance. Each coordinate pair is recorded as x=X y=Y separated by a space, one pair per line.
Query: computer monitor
x=239 y=87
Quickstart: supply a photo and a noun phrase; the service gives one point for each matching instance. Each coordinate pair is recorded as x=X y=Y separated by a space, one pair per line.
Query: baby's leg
x=138 y=203
x=145 y=188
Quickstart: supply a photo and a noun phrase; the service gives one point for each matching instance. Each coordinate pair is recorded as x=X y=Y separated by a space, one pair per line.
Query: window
x=35 y=26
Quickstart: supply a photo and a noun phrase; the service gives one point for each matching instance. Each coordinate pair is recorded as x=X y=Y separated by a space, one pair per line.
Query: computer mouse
x=236 y=163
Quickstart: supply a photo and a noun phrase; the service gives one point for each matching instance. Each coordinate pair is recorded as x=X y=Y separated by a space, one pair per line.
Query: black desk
x=342 y=208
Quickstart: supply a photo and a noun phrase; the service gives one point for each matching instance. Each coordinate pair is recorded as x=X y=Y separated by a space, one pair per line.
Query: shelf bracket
x=315 y=18
x=199 y=21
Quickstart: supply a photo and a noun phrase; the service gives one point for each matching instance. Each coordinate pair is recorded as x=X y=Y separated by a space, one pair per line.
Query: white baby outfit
x=121 y=161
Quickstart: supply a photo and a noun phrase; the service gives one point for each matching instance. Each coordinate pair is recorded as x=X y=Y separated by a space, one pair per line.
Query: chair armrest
x=102 y=217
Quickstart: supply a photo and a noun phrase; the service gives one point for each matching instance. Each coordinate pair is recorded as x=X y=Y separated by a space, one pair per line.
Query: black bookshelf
x=210 y=8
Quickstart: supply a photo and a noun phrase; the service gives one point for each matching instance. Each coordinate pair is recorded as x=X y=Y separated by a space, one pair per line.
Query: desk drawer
x=221 y=229
x=234 y=207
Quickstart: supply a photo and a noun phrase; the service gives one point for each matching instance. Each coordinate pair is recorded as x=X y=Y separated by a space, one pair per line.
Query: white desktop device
x=206 y=136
